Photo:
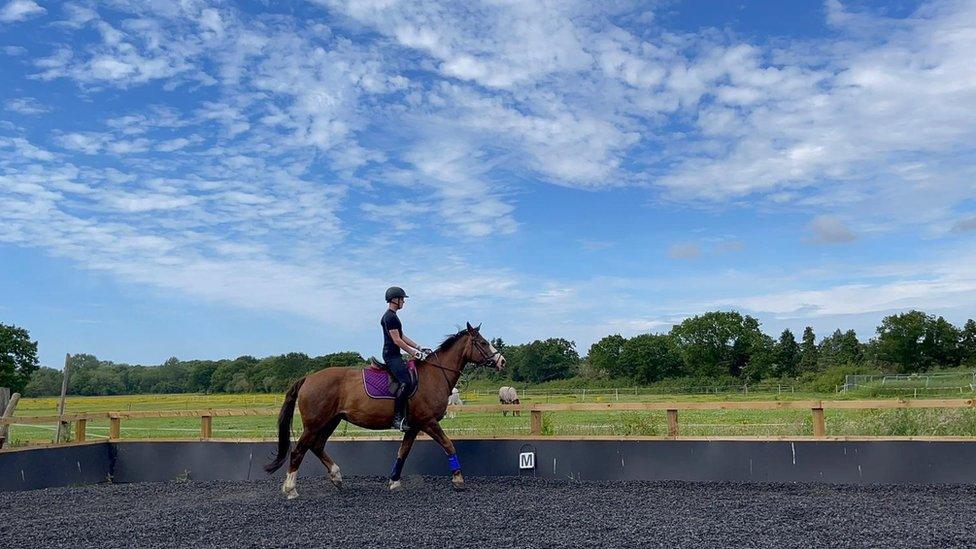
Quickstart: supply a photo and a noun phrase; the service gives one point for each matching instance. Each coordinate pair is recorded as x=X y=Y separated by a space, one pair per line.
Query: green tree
x=540 y=361
x=346 y=358
x=718 y=343
x=967 y=343
x=915 y=342
x=200 y=373
x=839 y=349
x=604 y=356
x=808 y=351
x=900 y=339
x=44 y=382
x=18 y=357
x=851 y=350
x=941 y=343
x=760 y=356
x=107 y=380
x=226 y=369
x=650 y=357
x=787 y=355
x=81 y=370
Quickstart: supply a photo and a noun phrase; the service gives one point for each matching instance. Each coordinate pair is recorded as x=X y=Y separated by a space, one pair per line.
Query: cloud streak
x=272 y=160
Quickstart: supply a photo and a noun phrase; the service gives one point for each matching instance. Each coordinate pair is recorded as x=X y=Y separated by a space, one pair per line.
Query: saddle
x=379 y=381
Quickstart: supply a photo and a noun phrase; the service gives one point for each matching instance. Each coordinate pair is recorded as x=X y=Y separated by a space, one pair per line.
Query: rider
x=393 y=341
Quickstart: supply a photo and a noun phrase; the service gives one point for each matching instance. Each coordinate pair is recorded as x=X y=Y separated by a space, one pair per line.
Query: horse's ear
x=478 y=329
x=470 y=329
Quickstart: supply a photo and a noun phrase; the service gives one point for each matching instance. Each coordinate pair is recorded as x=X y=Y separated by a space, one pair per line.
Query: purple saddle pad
x=376 y=381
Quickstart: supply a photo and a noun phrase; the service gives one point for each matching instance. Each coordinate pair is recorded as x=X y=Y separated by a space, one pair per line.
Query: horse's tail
x=284 y=426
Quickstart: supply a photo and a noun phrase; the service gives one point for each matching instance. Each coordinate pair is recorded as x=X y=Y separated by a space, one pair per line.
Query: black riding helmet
x=395 y=292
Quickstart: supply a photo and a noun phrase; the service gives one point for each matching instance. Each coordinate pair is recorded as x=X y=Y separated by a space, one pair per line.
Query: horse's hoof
x=292 y=494
x=336 y=477
x=396 y=485
x=459 y=486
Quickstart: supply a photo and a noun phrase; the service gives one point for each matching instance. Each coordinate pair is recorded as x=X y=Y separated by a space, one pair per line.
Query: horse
x=507 y=395
x=328 y=396
x=454 y=400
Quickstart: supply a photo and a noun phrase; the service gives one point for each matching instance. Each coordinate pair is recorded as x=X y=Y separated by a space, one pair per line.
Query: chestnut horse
x=328 y=396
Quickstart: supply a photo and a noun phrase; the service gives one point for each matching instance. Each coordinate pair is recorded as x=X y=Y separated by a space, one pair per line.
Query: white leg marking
x=289 y=486
x=335 y=474
x=395 y=485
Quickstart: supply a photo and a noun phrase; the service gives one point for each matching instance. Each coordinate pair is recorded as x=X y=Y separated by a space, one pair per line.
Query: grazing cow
x=454 y=399
x=507 y=395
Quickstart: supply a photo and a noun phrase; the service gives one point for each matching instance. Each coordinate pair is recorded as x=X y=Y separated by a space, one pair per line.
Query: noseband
x=488 y=358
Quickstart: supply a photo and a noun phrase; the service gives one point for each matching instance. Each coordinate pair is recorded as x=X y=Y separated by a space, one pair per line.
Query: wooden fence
x=816 y=408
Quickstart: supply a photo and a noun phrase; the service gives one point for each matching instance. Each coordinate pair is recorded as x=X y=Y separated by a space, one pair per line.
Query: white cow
x=507 y=395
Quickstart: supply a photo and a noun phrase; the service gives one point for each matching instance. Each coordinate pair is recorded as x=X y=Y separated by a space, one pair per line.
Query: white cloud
x=26 y=106
x=498 y=45
x=438 y=117
x=684 y=251
x=965 y=225
x=20 y=10
x=841 y=122
x=830 y=230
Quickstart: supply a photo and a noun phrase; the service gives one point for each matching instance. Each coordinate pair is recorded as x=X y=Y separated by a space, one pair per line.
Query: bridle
x=487 y=359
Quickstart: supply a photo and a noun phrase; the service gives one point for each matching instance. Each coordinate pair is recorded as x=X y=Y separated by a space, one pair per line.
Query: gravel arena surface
x=492 y=512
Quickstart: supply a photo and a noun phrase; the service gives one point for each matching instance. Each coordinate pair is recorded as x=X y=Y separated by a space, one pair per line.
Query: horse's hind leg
x=433 y=429
x=302 y=446
x=319 y=450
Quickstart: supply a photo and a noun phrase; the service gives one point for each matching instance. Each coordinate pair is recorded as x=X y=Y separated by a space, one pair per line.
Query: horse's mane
x=451 y=340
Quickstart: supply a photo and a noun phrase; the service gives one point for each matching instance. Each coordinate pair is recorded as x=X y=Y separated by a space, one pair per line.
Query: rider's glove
x=419 y=354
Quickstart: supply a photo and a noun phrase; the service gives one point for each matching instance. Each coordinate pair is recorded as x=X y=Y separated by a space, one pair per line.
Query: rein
x=486 y=361
x=443 y=370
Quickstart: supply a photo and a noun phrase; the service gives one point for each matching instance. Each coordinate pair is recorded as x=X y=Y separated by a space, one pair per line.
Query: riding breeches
x=399 y=369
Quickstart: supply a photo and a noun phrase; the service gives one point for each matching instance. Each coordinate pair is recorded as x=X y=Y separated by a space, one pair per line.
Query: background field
x=958 y=422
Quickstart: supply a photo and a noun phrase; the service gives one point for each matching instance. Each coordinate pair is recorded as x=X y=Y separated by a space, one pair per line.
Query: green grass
x=959 y=422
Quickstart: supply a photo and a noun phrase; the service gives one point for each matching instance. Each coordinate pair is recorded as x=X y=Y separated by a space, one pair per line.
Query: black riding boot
x=400 y=409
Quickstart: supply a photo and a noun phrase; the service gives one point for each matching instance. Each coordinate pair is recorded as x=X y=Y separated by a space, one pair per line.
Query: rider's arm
x=411 y=342
x=395 y=336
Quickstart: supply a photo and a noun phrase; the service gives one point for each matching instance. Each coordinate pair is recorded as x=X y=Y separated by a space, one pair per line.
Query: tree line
x=729 y=345
x=718 y=345
x=245 y=374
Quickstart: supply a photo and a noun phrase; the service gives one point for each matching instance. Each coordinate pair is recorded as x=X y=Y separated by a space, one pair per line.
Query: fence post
x=8 y=412
x=206 y=427
x=62 y=425
x=114 y=428
x=80 y=428
x=672 y=423
x=819 y=427
x=536 y=428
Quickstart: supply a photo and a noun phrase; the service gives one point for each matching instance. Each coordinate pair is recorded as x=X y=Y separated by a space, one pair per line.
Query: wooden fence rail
x=816 y=408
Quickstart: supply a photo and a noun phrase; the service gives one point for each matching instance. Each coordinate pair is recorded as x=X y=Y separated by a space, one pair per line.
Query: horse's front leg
x=433 y=429
x=405 y=446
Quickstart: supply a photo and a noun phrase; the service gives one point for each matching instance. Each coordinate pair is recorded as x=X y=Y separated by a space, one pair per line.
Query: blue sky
x=211 y=179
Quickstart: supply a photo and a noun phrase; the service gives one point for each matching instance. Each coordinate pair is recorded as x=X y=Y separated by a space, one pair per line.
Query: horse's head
x=480 y=351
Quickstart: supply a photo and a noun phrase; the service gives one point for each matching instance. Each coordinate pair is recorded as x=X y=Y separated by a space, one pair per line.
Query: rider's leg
x=399 y=369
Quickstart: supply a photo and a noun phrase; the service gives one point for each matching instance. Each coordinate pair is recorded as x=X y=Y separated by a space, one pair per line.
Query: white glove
x=419 y=354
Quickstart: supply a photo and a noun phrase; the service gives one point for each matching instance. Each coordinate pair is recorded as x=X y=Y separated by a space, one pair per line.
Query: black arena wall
x=840 y=462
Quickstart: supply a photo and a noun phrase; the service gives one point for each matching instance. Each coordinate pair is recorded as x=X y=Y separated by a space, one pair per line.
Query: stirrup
x=400 y=424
